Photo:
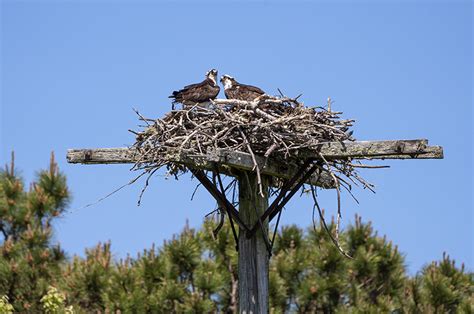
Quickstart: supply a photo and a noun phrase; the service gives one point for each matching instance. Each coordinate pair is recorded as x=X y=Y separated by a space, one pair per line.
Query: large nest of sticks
x=278 y=128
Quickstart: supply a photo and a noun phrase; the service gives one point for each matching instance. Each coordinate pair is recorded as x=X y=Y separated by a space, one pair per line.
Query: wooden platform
x=228 y=160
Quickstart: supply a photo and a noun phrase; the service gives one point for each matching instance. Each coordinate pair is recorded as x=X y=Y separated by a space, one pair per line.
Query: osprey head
x=212 y=75
x=227 y=81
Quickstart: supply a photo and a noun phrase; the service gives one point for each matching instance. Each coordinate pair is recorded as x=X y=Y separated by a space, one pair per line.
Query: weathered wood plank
x=243 y=161
x=116 y=155
x=228 y=161
x=393 y=149
x=430 y=152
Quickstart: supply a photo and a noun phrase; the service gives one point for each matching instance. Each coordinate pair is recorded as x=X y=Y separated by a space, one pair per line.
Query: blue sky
x=71 y=72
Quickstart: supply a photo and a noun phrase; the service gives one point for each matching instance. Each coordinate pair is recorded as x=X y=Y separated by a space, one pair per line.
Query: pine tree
x=196 y=273
x=29 y=261
x=441 y=287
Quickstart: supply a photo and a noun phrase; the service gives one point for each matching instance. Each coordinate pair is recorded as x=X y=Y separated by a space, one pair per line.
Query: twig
x=146 y=185
x=338 y=190
x=111 y=193
x=323 y=221
x=141 y=117
x=195 y=190
x=256 y=168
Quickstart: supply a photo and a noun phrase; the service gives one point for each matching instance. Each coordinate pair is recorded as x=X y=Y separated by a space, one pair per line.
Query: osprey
x=198 y=94
x=235 y=90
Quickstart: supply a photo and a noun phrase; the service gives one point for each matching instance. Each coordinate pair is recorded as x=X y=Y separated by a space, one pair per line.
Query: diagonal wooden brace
x=291 y=186
x=219 y=197
x=293 y=191
x=236 y=237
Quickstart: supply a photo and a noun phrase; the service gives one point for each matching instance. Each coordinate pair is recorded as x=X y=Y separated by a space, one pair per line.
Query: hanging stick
x=276 y=228
x=323 y=221
x=236 y=238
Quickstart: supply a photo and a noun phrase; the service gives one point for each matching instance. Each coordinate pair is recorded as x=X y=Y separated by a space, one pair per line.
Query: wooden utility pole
x=254 y=212
x=253 y=251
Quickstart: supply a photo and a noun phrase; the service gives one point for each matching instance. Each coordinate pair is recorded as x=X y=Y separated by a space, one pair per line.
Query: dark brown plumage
x=200 y=93
x=236 y=90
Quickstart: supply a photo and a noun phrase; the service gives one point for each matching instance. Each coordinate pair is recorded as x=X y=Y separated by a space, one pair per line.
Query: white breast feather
x=213 y=80
x=227 y=84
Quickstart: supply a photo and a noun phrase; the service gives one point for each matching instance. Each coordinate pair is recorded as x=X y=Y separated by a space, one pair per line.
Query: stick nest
x=280 y=128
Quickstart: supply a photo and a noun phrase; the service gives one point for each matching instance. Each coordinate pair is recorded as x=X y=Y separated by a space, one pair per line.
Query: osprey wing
x=253 y=89
x=195 y=85
x=195 y=93
x=244 y=92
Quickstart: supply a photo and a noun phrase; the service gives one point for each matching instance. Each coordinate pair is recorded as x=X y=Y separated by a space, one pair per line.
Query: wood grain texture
x=229 y=161
x=253 y=253
x=392 y=149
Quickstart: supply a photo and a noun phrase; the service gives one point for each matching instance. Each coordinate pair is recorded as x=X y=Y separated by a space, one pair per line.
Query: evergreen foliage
x=53 y=302
x=29 y=261
x=197 y=273
x=5 y=306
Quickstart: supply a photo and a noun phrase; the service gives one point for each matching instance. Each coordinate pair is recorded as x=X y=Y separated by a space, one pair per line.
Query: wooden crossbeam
x=392 y=149
x=228 y=160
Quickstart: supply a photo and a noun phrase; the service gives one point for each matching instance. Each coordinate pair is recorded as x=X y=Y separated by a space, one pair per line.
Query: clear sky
x=71 y=71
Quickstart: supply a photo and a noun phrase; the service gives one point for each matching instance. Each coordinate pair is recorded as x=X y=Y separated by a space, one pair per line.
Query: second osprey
x=236 y=90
